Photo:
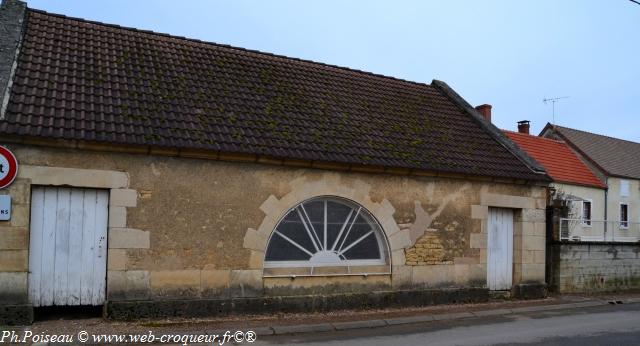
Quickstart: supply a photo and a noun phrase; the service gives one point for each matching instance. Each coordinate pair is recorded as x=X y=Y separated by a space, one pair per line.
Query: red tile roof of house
x=561 y=163
x=81 y=80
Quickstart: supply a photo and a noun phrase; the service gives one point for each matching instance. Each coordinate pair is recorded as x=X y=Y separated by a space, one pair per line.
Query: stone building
x=161 y=175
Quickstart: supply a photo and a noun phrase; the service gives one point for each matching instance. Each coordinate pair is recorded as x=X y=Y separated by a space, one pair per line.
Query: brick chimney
x=485 y=110
x=523 y=126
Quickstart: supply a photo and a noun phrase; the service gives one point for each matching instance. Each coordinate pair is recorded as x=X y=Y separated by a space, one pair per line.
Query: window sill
x=327 y=271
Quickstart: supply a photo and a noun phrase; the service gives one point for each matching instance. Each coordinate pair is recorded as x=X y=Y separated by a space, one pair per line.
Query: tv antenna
x=553 y=101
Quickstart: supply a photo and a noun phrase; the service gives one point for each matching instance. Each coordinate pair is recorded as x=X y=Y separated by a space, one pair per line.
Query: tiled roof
x=614 y=156
x=560 y=162
x=91 y=81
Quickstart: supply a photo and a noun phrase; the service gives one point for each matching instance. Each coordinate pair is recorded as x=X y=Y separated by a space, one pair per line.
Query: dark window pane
x=315 y=210
x=366 y=249
x=336 y=216
x=281 y=250
x=586 y=212
x=295 y=231
x=360 y=228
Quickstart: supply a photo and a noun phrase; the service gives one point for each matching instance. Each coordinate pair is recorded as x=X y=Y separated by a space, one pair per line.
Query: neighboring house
x=617 y=163
x=573 y=182
x=162 y=176
x=609 y=262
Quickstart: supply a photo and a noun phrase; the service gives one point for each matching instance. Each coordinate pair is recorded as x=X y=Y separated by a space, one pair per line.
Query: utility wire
x=635 y=2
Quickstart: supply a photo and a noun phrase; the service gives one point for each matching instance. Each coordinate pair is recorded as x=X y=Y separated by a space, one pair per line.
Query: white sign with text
x=5 y=207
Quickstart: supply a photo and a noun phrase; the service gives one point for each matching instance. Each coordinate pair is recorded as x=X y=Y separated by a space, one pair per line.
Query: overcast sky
x=510 y=54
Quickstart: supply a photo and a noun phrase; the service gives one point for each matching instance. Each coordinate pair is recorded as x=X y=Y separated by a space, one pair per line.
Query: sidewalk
x=278 y=324
x=540 y=305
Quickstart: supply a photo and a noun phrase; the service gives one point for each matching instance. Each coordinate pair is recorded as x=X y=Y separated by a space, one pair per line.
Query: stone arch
x=329 y=184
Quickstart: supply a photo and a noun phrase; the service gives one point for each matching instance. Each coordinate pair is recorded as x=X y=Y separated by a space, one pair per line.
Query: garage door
x=68 y=246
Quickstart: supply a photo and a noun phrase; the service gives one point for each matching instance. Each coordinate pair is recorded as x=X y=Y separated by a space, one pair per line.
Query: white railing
x=593 y=230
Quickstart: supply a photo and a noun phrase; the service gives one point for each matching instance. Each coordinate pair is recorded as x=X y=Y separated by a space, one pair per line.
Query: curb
x=376 y=323
x=359 y=324
x=302 y=328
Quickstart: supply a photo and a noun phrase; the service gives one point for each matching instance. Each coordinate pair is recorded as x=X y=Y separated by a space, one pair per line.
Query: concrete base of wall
x=586 y=267
x=128 y=310
x=16 y=315
x=529 y=291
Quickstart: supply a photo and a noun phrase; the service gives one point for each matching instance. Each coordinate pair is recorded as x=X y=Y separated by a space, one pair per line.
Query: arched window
x=324 y=232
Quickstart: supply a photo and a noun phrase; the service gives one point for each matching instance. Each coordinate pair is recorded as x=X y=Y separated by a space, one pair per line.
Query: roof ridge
x=537 y=137
x=222 y=45
x=597 y=134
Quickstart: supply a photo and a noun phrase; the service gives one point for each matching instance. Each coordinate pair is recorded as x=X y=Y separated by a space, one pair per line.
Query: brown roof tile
x=91 y=81
x=617 y=157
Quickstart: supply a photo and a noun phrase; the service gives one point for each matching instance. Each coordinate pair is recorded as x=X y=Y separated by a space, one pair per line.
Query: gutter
x=247 y=158
x=491 y=129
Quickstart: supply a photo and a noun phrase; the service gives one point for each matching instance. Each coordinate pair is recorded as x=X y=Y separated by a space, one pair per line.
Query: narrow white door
x=68 y=246
x=500 y=249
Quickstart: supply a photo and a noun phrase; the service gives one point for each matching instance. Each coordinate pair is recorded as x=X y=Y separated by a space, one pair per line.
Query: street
x=601 y=325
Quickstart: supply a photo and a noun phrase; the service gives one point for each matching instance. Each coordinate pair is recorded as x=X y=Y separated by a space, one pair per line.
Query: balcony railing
x=593 y=230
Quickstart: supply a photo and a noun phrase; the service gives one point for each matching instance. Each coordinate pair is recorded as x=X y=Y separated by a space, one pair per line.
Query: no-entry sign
x=8 y=167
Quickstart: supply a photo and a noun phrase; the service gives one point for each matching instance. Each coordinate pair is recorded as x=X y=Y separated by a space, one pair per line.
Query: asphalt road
x=600 y=325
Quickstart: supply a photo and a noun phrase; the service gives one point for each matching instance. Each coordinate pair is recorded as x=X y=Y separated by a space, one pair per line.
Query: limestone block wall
x=593 y=267
x=428 y=249
x=14 y=245
x=14 y=234
x=191 y=227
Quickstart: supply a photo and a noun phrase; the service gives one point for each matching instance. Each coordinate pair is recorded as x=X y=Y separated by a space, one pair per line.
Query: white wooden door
x=68 y=246
x=500 y=249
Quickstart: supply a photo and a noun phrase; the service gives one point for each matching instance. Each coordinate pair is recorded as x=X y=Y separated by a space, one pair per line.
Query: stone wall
x=427 y=250
x=196 y=228
x=593 y=267
x=14 y=246
x=11 y=21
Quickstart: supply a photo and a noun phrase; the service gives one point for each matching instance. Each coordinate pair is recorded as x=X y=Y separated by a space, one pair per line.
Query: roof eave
x=599 y=187
x=252 y=158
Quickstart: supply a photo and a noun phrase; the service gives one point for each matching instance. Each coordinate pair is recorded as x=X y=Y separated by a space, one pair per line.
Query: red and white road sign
x=8 y=167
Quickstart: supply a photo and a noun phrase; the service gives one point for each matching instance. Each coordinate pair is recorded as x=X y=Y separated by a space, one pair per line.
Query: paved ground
x=562 y=320
x=597 y=325
x=70 y=321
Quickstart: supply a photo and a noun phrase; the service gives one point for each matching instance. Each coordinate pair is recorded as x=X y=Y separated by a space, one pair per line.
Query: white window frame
x=625 y=188
x=587 y=222
x=378 y=233
x=624 y=224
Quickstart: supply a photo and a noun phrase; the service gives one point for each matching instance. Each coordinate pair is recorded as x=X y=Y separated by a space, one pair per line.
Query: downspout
x=606 y=207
